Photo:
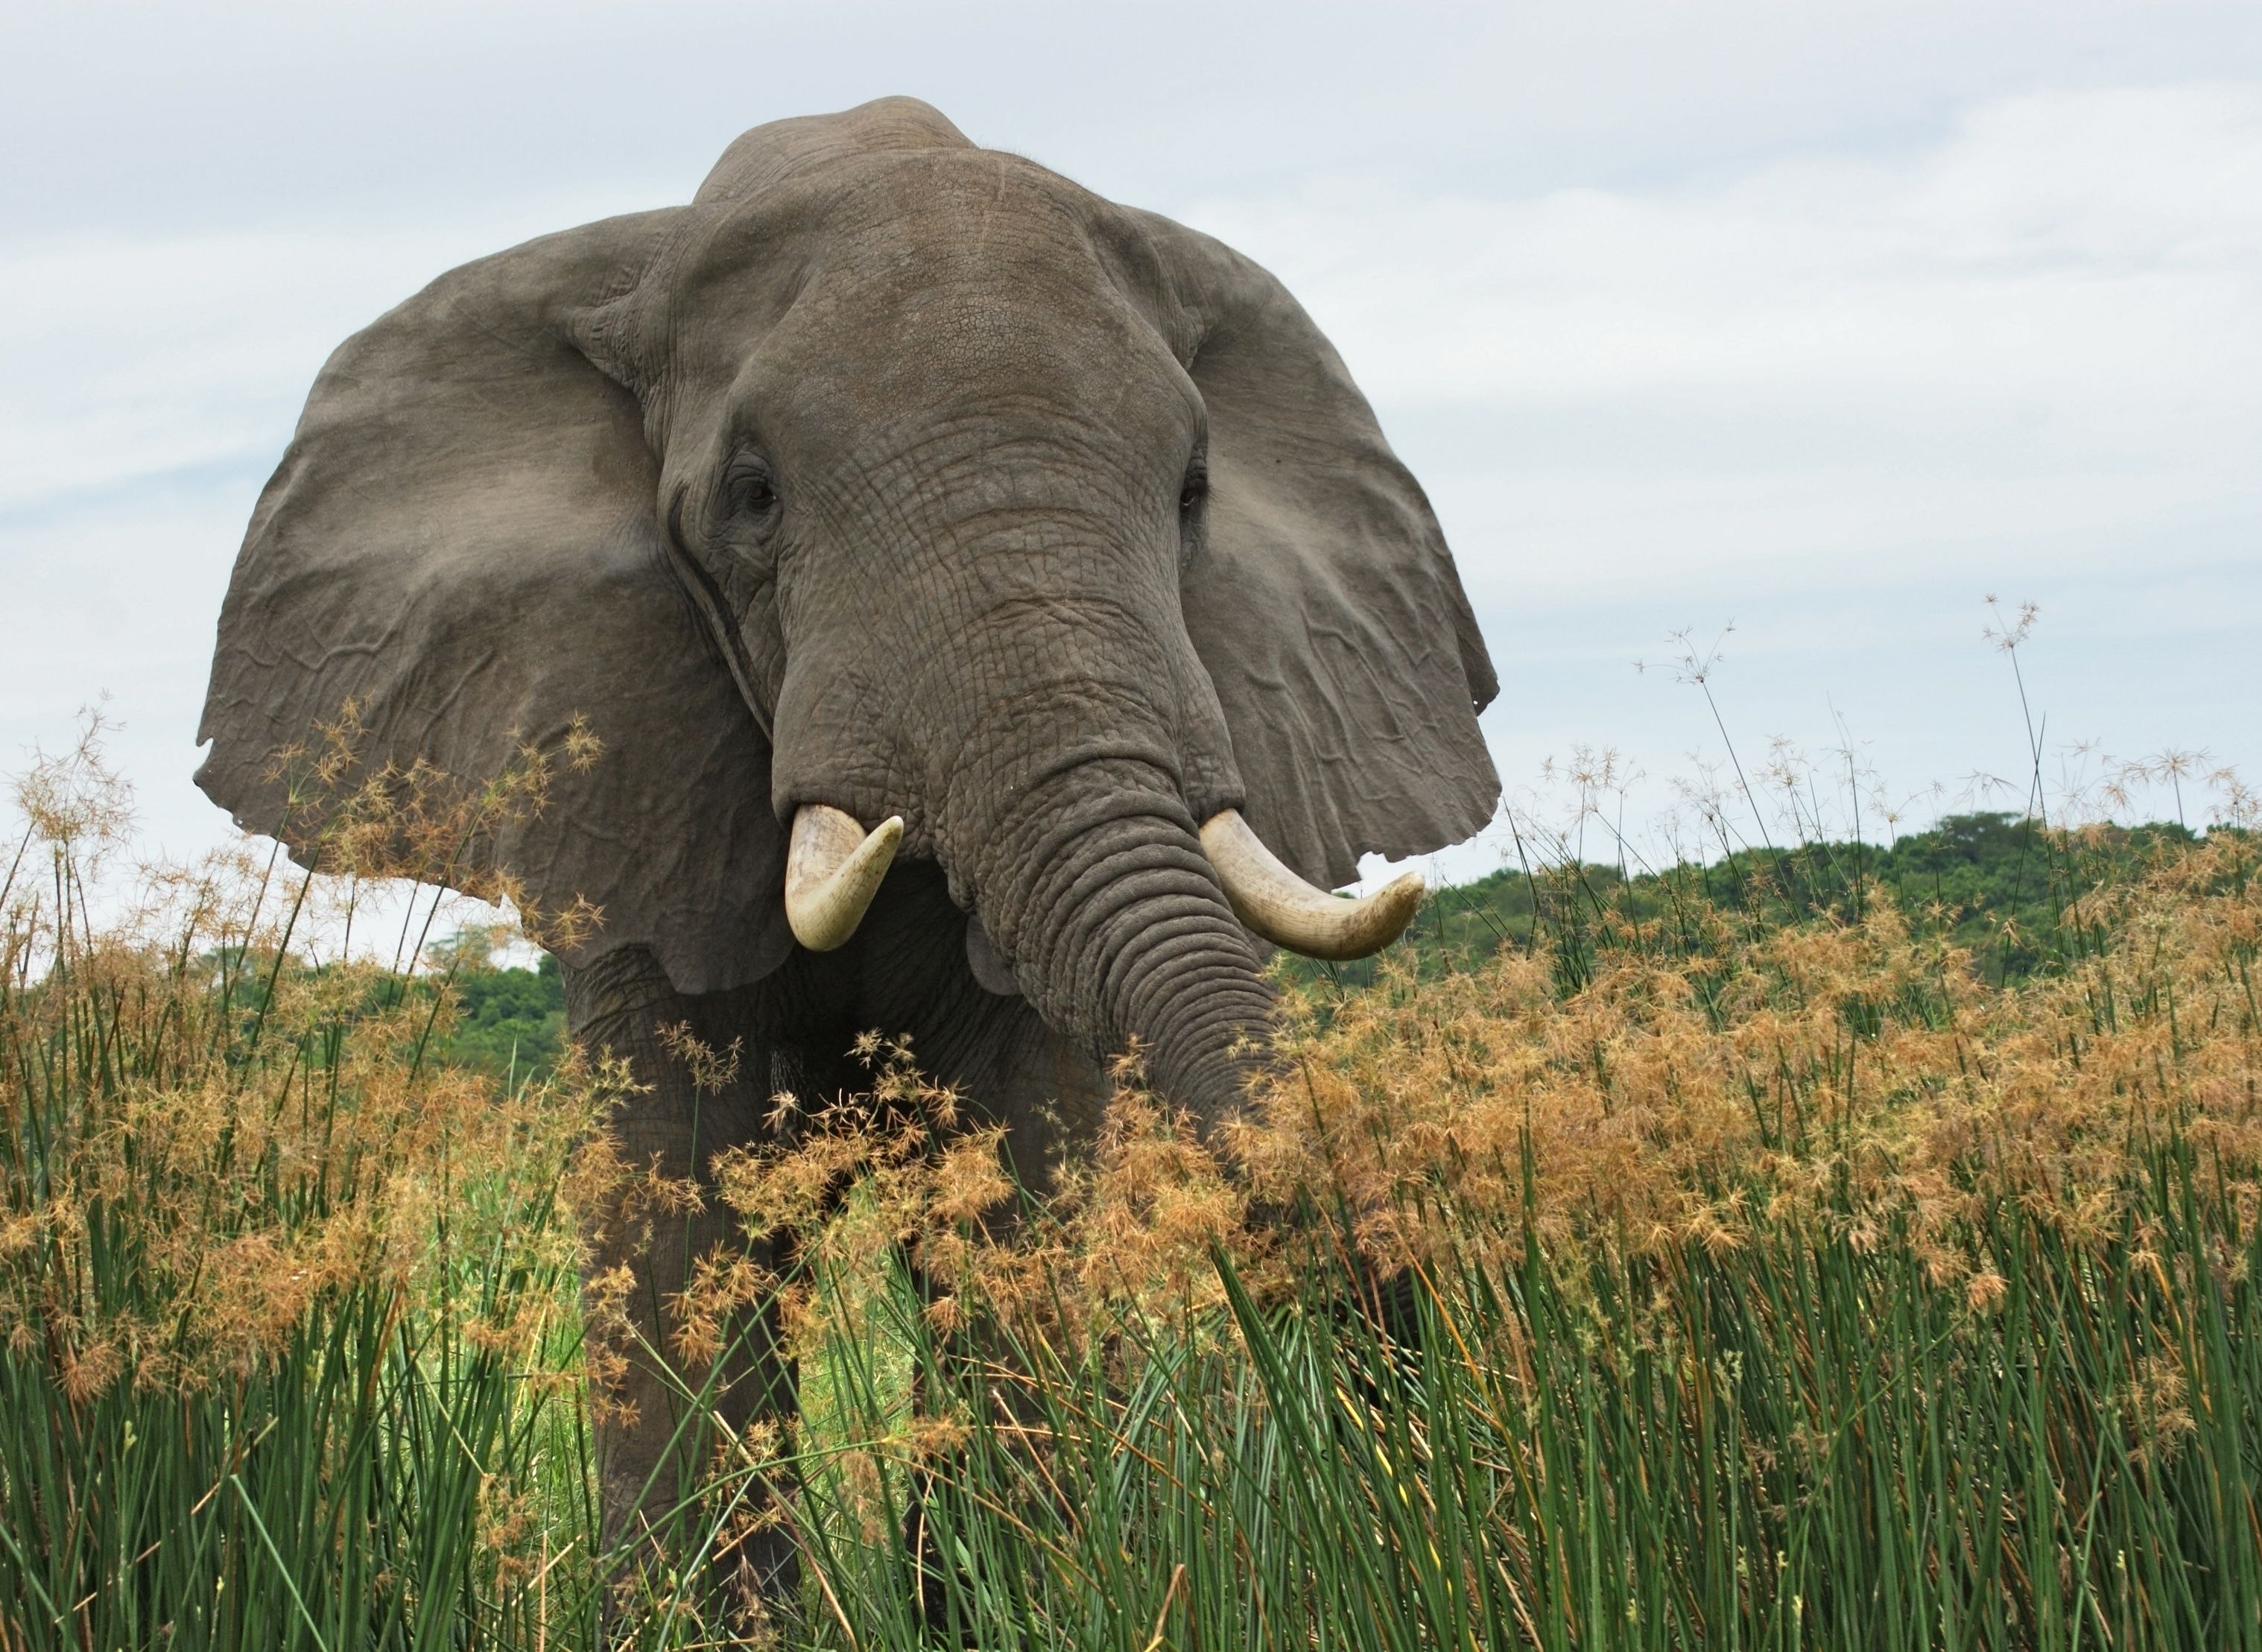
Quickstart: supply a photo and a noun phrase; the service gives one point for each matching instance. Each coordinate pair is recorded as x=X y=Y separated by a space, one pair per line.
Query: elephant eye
x=749 y=486
x=1190 y=516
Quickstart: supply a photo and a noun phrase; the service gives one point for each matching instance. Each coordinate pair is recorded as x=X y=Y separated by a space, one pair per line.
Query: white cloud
x=2083 y=245
x=2037 y=342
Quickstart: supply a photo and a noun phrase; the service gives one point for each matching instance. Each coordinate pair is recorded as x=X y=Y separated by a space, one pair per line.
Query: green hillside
x=1993 y=882
x=509 y=1021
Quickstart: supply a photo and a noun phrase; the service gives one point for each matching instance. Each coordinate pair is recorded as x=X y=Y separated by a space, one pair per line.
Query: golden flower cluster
x=1850 y=1071
x=1856 y=1074
x=209 y=1132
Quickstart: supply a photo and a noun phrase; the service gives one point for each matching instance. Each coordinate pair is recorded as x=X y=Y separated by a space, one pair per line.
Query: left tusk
x=832 y=870
x=1289 y=912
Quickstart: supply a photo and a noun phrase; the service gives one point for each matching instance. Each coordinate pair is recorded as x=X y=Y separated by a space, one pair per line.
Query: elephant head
x=892 y=480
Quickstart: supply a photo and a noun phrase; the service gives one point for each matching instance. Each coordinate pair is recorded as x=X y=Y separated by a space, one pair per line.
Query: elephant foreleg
x=660 y=1436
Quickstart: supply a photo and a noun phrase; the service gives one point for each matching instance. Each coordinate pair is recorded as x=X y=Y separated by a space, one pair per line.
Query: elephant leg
x=1049 y=1094
x=656 y=1443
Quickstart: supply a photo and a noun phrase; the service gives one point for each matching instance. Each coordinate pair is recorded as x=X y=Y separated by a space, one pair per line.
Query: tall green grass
x=1740 y=1284
x=1800 y=1440
x=286 y=1318
x=1721 y=1282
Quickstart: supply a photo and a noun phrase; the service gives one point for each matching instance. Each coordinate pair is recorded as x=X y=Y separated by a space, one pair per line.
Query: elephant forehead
x=962 y=215
x=943 y=354
x=965 y=250
x=974 y=210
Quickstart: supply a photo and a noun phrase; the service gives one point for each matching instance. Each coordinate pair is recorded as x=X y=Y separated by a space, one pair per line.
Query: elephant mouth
x=834 y=867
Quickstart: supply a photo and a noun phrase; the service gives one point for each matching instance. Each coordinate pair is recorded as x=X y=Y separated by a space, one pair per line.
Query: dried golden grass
x=181 y=1085
x=1827 y=1067
x=1853 y=1073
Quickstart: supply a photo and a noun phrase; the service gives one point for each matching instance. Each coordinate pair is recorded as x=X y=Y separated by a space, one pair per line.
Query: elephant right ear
x=461 y=545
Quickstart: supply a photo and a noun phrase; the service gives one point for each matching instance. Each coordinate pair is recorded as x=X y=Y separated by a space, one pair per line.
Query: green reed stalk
x=1801 y=1441
x=325 y=1492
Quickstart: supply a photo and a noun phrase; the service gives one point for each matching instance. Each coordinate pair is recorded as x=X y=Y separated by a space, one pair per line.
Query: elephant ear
x=459 y=551
x=1324 y=602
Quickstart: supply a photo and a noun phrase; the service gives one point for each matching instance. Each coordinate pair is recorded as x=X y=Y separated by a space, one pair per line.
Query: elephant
x=1002 y=614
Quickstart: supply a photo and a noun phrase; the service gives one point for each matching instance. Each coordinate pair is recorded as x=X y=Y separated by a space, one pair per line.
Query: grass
x=1799 y=1287
x=1784 y=1445
x=287 y=1314
x=1716 y=1261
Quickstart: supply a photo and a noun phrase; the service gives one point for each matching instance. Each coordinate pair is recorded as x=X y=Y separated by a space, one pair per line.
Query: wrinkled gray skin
x=907 y=477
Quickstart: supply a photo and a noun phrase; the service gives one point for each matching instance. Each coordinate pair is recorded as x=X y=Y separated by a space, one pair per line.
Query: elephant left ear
x=1324 y=601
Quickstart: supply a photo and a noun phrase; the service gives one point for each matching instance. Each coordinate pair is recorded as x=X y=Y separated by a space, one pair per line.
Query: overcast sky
x=1827 y=320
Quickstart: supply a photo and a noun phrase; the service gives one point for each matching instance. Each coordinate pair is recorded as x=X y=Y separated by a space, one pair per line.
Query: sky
x=1821 y=322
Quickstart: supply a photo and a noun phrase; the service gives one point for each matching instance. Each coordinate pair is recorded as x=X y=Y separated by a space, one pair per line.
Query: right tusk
x=832 y=870
x=1289 y=912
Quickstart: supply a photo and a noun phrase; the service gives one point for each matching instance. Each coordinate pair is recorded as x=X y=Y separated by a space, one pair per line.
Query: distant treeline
x=509 y=1021
x=1993 y=882
x=1997 y=883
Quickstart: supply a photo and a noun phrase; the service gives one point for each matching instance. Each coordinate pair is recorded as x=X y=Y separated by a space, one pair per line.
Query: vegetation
x=509 y=1021
x=1992 y=884
x=1751 y=1253
x=1794 y=1285
x=286 y=1306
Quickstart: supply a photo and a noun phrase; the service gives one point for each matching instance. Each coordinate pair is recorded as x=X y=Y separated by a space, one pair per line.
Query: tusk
x=1287 y=911
x=832 y=870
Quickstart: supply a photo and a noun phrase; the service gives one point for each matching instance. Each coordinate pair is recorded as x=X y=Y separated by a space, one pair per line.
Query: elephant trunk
x=1095 y=886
